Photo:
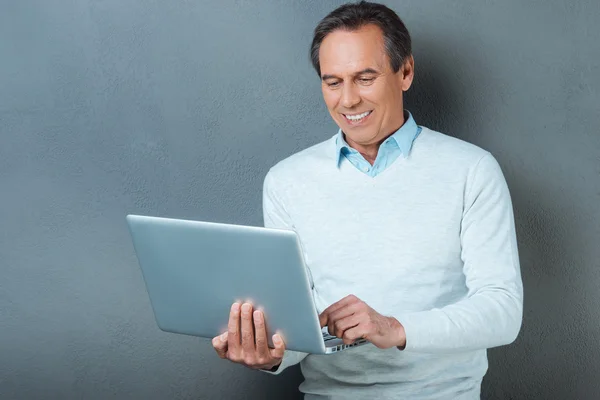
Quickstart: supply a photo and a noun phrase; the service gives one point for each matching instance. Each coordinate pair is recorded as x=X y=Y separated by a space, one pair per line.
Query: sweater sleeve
x=491 y=313
x=275 y=216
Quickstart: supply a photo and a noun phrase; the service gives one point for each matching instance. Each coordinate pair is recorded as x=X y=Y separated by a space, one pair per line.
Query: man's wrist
x=274 y=368
x=399 y=334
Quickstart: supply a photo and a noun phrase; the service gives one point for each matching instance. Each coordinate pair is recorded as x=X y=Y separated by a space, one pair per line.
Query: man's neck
x=370 y=151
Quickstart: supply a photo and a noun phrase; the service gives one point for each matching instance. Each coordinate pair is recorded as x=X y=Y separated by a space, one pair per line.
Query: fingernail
x=235 y=307
x=246 y=308
x=276 y=339
x=223 y=337
x=258 y=316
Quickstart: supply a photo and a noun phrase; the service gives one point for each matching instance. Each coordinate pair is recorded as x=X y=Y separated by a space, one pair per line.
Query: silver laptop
x=194 y=271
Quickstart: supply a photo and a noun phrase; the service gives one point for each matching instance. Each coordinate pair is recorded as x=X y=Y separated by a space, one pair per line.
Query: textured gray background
x=178 y=108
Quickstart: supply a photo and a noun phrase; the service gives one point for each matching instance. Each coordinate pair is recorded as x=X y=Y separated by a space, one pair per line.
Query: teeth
x=358 y=116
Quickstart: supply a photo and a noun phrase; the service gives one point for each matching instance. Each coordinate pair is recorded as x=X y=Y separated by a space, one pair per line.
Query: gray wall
x=178 y=108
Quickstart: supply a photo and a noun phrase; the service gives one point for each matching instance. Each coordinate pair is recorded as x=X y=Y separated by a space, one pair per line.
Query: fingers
x=220 y=345
x=260 y=333
x=342 y=325
x=351 y=335
x=264 y=354
x=342 y=303
x=245 y=341
x=278 y=351
x=324 y=317
x=233 y=330
x=336 y=317
x=248 y=345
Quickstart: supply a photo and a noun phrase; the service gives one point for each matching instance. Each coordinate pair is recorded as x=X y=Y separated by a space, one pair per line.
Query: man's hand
x=351 y=319
x=248 y=345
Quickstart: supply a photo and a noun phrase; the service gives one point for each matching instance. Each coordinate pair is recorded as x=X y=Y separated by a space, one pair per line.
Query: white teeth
x=357 y=117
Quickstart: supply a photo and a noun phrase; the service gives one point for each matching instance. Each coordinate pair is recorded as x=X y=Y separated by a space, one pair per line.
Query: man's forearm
x=485 y=320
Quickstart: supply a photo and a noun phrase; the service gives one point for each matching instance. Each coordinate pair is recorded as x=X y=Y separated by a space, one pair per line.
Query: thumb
x=279 y=349
x=220 y=345
x=323 y=319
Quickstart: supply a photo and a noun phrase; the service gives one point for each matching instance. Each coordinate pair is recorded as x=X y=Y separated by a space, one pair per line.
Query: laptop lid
x=194 y=271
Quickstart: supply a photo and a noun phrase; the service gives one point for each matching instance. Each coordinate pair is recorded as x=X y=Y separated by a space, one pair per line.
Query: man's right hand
x=246 y=343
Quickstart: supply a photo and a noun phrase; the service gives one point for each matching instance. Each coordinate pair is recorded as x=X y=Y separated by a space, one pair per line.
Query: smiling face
x=362 y=92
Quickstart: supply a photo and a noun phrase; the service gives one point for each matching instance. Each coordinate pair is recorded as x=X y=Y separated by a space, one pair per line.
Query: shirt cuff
x=290 y=358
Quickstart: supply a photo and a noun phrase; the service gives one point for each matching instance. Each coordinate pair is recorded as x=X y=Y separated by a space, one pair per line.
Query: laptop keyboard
x=341 y=347
x=327 y=337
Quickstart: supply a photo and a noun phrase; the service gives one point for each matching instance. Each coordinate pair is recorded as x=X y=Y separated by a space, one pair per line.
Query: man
x=408 y=233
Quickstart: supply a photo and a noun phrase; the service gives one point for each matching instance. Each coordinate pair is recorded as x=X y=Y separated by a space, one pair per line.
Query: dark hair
x=353 y=16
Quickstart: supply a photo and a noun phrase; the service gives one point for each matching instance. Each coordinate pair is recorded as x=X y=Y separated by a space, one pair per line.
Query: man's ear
x=407 y=73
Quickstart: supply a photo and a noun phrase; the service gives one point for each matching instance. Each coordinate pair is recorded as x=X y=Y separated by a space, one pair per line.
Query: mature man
x=408 y=233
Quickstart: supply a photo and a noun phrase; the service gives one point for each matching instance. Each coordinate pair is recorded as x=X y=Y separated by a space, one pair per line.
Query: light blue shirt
x=399 y=143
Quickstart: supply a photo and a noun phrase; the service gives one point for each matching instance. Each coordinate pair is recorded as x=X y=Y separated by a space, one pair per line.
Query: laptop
x=195 y=270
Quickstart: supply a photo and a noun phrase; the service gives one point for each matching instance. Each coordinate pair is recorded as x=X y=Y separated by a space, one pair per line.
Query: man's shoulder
x=304 y=161
x=446 y=147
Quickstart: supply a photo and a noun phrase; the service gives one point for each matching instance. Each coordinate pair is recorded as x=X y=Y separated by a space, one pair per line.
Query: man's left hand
x=351 y=319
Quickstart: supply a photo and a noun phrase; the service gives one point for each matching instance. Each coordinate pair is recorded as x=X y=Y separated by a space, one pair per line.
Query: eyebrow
x=362 y=72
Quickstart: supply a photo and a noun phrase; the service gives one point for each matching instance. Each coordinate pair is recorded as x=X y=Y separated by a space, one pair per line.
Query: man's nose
x=350 y=96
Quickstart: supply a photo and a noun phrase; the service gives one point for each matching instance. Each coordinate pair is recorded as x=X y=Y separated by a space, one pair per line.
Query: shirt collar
x=403 y=137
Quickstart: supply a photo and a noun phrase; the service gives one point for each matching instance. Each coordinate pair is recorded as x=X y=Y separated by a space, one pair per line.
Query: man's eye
x=333 y=84
x=365 y=80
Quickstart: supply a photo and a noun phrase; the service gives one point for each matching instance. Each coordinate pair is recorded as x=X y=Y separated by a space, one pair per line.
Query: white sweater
x=430 y=241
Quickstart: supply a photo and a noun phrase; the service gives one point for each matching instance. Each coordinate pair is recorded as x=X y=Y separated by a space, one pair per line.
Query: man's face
x=361 y=91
